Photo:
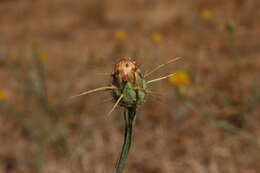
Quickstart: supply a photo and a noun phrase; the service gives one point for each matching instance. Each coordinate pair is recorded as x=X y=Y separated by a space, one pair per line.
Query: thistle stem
x=129 y=116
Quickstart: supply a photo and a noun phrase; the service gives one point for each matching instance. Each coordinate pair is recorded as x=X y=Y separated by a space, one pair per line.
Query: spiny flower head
x=130 y=83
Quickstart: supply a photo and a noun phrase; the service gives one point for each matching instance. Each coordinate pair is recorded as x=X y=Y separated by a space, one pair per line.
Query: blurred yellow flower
x=2 y=95
x=42 y=58
x=121 y=35
x=181 y=78
x=157 y=38
x=53 y=100
x=206 y=14
x=13 y=55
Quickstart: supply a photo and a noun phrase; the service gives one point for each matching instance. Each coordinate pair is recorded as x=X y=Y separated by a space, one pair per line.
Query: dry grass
x=50 y=50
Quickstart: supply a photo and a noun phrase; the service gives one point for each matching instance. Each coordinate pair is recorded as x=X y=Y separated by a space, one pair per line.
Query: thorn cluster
x=129 y=87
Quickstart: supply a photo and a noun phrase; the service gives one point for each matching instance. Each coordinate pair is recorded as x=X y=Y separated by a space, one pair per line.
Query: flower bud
x=128 y=79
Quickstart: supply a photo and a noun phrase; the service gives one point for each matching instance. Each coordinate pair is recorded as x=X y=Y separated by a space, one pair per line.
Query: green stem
x=129 y=116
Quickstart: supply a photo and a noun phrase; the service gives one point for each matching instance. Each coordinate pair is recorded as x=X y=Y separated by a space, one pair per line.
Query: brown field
x=52 y=49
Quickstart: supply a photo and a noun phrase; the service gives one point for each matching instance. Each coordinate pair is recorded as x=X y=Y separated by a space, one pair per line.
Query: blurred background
x=205 y=119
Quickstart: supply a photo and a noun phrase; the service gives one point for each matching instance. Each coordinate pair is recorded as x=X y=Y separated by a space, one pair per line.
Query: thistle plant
x=129 y=89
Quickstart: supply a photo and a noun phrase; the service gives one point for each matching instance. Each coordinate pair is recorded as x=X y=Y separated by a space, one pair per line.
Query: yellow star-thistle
x=2 y=95
x=121 y=35
x=181 y=78
x=157 y=38
x=206 y=14
x=42 y=58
